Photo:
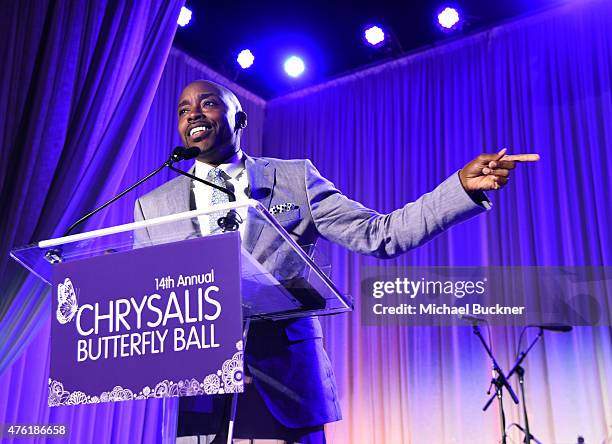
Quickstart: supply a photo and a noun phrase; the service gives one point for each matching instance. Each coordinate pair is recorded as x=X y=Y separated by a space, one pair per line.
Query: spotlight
x=448 y=18
x=245 y=59
x=374 y=35
x=184 y=16
x=294 y=66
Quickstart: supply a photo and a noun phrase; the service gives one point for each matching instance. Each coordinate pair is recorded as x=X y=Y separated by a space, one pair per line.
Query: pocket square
x=283 y=208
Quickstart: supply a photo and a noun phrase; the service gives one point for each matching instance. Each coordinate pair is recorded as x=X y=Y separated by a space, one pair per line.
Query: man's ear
x=241 y=120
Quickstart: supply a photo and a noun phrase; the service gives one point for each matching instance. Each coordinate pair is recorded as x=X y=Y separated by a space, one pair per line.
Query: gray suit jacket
x=286 y=358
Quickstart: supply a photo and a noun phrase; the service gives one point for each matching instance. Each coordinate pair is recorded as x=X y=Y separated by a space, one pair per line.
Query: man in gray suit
x=292 y=393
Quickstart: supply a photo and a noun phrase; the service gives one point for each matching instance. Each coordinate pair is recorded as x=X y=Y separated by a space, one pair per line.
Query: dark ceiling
x=327 y=35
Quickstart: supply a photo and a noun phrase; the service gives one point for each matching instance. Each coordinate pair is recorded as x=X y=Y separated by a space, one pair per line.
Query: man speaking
x=291 y=391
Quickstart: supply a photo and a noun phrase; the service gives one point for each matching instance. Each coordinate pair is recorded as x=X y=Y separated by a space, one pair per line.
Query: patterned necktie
x=215 y=175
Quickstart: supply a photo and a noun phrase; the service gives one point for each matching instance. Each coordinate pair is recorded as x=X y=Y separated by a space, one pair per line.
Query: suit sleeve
x=366 y=231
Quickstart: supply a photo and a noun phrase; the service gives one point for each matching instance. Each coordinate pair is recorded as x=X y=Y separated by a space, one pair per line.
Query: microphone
x=179 y=153
x=182 y=153
x=473 y=319
x=232 y=196
x=231 y=221
x=555 y=327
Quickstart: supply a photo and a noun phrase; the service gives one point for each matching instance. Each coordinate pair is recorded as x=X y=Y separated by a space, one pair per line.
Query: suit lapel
x=262 y=177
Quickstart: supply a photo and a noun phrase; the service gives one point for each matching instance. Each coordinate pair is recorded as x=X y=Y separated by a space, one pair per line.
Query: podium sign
x=159 y=321
x=154 y=308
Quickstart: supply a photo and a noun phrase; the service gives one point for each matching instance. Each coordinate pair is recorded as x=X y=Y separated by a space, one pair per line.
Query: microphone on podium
x=228 y=223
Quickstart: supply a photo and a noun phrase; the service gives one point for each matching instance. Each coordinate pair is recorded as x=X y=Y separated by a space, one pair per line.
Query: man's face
x=207 y=120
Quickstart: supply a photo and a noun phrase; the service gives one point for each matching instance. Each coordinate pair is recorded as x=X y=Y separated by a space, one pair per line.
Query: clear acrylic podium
x=280 y=279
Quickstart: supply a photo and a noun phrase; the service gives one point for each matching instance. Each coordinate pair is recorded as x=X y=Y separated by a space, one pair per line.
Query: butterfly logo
x=66 y=302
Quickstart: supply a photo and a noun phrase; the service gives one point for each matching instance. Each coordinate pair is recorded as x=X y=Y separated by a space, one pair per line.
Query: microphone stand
x=499 y=382
x=123 y=193
x=54 y=255
x=520 y=371
x=232 y=196
x=232 y=220
x=523 y=430
x=178 y=154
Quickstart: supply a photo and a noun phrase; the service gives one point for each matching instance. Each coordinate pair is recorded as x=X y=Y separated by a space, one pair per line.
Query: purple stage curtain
x=384 y=136
x=30 y=370
x=78 y=79
x=390 y=133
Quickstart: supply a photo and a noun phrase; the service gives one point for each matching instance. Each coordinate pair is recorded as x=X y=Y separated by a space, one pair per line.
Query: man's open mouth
x=199 y=131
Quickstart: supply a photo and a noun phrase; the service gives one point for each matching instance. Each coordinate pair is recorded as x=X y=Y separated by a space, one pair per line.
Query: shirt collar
x=233 y=167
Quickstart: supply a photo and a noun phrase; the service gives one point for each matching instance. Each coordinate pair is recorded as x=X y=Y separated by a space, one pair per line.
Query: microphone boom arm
x=232 y=196
x=179 y=153
x=123 y=193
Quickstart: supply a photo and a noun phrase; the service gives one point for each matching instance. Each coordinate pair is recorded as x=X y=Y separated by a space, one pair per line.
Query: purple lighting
x=294 y=66
x=374 y=35
x=448 y=18
x=184 y=17
x=245 y=59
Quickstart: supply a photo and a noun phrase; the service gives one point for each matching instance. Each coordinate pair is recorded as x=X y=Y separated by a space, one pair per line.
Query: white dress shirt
x=238 y=179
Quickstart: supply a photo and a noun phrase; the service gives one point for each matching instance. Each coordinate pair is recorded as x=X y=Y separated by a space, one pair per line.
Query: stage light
x=374 y=35
x=448 y=18
x=184 y=17
x=294 y=66
x=245 y=59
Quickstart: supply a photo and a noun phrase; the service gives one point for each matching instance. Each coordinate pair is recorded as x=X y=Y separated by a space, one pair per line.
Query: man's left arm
x=366 y=231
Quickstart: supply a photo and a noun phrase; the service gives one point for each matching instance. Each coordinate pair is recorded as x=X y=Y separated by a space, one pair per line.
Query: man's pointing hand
x=491 y=171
